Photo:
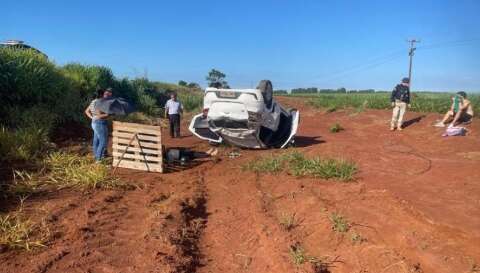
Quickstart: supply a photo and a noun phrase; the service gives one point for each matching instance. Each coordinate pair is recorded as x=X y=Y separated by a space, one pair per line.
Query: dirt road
x=414 y=207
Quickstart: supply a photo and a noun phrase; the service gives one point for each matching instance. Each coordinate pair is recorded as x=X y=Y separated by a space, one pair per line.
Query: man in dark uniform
x=400 y=99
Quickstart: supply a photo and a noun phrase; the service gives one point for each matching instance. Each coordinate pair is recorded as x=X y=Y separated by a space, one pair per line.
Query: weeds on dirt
x=339 y=223
x=299 y=257
x=23 y=144
x=331 y=109
x=335 y=128
x=269 y=164
x=62 y=170
x=357 y=238
x=18 y=232
x=324 y=168
x=70 y=170
x=24 y=184
x=298 y=165
x=288 y=221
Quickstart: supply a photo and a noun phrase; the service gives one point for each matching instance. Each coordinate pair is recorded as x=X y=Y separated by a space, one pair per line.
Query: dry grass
x=19 y=232
x=65 y=170
x=70 y=170
x=288 y=221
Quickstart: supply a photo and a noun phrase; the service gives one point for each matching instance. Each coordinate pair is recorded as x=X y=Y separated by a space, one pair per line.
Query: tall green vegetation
x=37 y=97
x=421 y=102
x=31 y=88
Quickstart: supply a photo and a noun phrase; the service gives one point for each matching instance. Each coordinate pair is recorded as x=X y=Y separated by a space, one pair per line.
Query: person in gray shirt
x=99 y=125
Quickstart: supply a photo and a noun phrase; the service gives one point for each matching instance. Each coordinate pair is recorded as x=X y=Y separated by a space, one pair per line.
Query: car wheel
x=266 y=87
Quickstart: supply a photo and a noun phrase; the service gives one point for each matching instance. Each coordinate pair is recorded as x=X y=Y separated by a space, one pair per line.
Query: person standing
x=400 y=99
x=173 y=110
x=99 y=125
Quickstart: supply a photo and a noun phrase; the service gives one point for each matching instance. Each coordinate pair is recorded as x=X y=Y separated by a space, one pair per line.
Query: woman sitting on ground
x=461 y=111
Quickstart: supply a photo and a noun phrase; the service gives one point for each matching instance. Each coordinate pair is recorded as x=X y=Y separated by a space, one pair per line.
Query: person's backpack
x=455 y=131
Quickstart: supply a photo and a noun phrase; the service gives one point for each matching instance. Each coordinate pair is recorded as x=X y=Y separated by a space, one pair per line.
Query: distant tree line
x=315 y=90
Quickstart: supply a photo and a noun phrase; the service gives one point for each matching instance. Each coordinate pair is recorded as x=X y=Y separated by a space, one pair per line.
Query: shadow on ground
x=306 y=141
x=412 y=121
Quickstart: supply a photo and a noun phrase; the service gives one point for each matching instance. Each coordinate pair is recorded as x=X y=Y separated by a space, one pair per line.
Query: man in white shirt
x=173 y=109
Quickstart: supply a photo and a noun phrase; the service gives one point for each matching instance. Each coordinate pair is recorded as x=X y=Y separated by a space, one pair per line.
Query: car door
x=200 y=128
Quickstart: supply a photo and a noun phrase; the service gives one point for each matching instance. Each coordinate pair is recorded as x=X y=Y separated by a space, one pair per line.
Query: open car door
x=293 y=131
x=200 y=128
x=284 y=133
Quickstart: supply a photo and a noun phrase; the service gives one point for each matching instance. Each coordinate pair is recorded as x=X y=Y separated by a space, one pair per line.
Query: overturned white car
x=248 y=118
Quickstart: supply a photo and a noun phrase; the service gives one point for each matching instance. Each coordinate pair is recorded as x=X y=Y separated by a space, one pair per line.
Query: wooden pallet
x=137 y=146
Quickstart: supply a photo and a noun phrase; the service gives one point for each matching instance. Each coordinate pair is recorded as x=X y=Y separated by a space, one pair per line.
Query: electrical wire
x=449 y=44
x=367 y=63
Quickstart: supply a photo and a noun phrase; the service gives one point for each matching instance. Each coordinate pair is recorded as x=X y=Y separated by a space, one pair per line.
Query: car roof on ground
x=249 y=90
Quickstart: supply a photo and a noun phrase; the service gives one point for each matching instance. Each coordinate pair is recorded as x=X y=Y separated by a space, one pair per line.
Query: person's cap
x=405 y=80
x=109 y=89
x=463 y=94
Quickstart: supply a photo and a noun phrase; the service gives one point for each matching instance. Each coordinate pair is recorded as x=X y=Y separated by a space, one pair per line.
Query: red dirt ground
x=414 y=207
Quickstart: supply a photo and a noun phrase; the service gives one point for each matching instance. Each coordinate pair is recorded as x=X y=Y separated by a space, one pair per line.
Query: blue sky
x=326 y=44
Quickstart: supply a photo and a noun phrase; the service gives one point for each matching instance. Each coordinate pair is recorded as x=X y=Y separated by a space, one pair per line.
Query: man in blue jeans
x=99 y=125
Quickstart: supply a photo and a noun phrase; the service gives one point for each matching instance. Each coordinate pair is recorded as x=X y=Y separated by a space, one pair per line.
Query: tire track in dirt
x=240 y=235
x=186 y=237
x=410 y=245
x=154 y=228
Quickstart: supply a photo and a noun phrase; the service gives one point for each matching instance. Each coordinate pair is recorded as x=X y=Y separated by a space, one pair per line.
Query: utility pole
x=411 y=53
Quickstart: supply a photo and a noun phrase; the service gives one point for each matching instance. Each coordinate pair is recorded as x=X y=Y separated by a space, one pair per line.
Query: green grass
x=335 y=128
x=22 y=144
x=268 y=164
x=300 y=257
x=191 y=101
x=298 y=165
x=339 y=223
x=139 y=117
x=421 y=102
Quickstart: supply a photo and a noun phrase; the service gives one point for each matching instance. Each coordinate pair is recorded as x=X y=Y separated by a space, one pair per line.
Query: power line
x=364 y=67
x=367 y=63
x=449 y=43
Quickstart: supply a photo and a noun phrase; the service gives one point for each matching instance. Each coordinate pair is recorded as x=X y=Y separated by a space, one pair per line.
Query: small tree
x=182 y=83
x=216 y=79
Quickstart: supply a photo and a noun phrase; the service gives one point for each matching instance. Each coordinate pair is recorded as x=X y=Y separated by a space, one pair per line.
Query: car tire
x=266 y=87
